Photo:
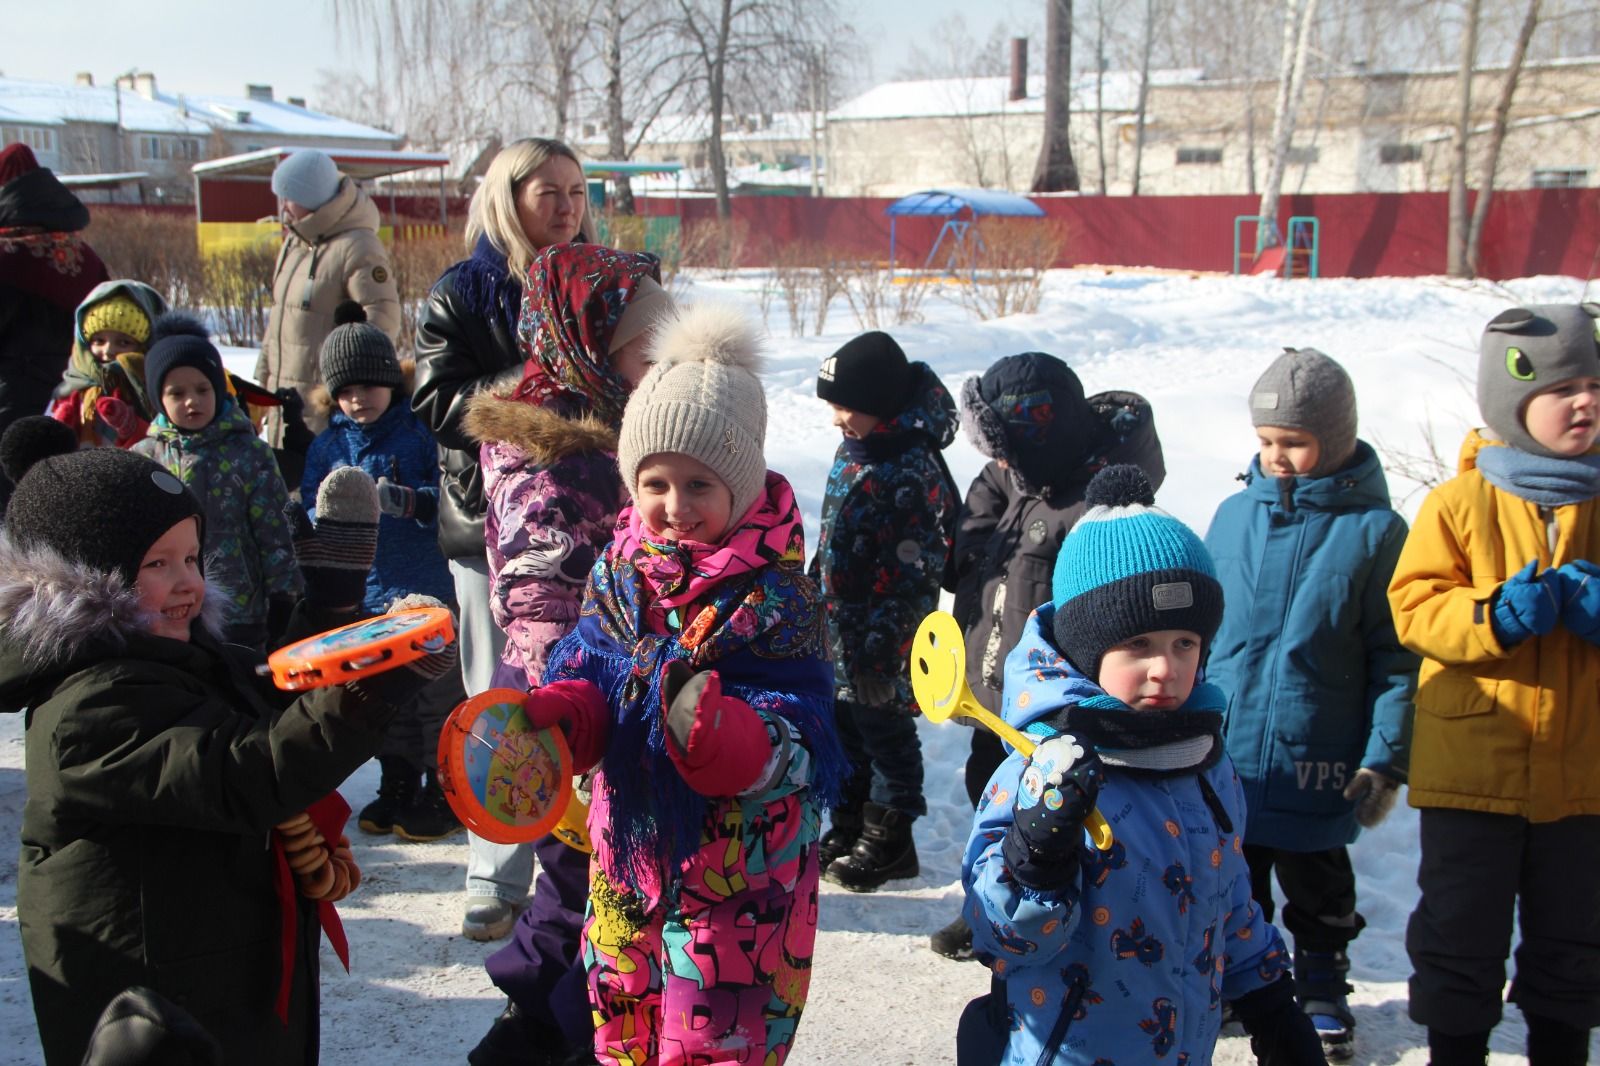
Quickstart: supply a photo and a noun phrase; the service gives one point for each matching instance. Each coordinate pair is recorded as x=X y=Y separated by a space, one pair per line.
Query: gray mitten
x=872 y=690
x=1374 y=794
x=337 y=552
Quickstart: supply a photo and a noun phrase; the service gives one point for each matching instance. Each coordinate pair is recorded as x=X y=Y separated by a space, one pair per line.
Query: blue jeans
x=883 y=746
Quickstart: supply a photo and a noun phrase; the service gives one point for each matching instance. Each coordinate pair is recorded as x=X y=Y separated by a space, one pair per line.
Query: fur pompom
x=177 y=324
x=349 y=311
x=1120 y=486
x=31 y=439
x=708 y=333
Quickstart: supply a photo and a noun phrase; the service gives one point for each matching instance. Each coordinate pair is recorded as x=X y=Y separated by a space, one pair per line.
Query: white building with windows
x=85 y=131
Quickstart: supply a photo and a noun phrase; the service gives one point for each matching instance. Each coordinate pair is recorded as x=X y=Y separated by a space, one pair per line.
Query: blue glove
x=1580 y=599
x=1057 y=791
x=1526 y=605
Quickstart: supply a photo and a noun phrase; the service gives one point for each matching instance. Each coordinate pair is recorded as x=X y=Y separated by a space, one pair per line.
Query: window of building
x=151 y=147
x=1394 y=154
x=1303 y=155
x=37 y=139
x=1560 y=177
x=1199 y=155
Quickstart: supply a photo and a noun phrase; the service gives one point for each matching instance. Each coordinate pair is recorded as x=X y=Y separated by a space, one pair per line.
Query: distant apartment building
x=132 y=141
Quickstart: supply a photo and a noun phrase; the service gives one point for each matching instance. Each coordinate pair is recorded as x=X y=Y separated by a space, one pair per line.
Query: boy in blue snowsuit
x=1123 y=955
x=1319 y=688
x=887 y=521
x=372 y=427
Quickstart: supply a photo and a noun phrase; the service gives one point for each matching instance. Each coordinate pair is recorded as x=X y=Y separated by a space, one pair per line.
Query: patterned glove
x=396 y=500
x=337 y=552
x=1374 y=794
x=872 y=690
x=1580 y=599
x=718 y=743
x=1526 y=605
x=1057 y=791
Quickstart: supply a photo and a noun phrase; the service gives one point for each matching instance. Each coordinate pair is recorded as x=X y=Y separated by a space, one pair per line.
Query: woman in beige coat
x=331 y=253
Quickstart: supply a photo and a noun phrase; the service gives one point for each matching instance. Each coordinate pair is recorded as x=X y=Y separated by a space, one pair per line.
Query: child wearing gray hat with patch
x=1320 y=689
x=1496 y=590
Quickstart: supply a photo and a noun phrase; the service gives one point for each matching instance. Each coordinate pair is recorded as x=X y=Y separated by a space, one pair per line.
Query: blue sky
x=219 y=45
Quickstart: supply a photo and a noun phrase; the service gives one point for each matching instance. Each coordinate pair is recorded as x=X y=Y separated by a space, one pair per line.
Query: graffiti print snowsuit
x=1130 y=964
x=703 y=911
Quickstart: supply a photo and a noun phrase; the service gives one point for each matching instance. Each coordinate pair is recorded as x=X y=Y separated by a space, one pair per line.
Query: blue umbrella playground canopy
x=960 y=208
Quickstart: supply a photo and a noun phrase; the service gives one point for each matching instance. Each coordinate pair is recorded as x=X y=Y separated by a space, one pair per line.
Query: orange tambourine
x=507 y=781
x=367 y=647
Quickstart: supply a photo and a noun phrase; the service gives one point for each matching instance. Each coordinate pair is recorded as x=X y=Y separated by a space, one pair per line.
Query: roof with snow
x=363 y=164
x=43 y=103
x=946 y=97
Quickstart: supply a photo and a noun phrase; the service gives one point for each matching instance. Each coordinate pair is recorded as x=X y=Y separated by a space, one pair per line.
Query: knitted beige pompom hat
x=702 y=398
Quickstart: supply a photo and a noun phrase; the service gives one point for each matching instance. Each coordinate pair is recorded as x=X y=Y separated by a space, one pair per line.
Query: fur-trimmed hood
x=321 y=402
x=541 y=433
x=54 y=612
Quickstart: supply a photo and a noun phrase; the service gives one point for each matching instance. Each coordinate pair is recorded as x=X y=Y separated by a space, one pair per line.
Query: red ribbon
x=329 y=814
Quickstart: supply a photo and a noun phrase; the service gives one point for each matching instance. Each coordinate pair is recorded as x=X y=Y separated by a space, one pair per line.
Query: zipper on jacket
x=1058 y=1032
x=1218 y=811
x=311 y=277
x=1552 y=528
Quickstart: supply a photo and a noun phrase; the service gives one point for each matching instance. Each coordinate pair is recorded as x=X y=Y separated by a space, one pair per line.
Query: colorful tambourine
x=507 y=781
x=370 y=646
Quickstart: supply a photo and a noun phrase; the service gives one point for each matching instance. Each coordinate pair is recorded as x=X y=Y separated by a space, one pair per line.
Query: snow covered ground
x=417 y=992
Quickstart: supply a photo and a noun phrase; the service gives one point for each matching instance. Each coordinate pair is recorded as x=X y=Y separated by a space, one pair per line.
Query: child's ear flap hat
x=1030 y=411
x=1526 y=350
x=100 y=507
x=177 y=339
x=701 y=398
x=1129 y=568
x=1304 y=389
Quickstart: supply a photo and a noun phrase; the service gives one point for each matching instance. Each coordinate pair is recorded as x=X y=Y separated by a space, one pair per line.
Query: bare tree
x=1056 y=171
x=1456 y=263
x=1143 y=105
x=1297 y=20
x=1497 y=134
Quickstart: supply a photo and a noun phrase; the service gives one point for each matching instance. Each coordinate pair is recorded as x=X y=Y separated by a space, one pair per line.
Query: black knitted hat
x=1128 y=568
x=357 y=352
x=179 y=339
x=103 y=507
x=868 y=373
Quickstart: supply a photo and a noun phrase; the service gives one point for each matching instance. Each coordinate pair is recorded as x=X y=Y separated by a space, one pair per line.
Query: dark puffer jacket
x=156 y=770
x=1014 y=520
x=888 y=519
x=466 y=341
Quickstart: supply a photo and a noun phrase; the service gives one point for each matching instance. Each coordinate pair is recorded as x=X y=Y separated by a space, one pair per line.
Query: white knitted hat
x=702 y=398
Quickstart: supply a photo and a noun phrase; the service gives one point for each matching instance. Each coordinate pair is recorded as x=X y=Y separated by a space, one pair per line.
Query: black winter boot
x=954 y=941
x=884 y=852
x=427 y=816
x=1555 y=1043
x=841 y=835
x=396 y=788
x=1321 y=988
x=517 y=1040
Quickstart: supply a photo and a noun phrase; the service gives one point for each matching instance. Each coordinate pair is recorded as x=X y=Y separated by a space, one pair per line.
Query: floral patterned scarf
x=575 y=296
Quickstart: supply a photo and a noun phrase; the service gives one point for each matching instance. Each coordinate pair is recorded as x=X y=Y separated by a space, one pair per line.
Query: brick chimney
x=259 y=92
x=84 y=80
x=1019 y=68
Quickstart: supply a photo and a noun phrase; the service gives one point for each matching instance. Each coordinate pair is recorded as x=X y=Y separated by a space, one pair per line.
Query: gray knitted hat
x=703 y=399
x=307 y=177
x=357 y=352
x=1526 y=350
x=1304 y=389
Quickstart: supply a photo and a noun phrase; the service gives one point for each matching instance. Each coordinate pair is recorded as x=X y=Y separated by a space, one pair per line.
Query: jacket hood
x=321 y=401
x=1360 y=484
x=930 y=410
x=350 y=208
x=54 y=611
x=1039 y=680
x=1477 y=440
x=37 y=199
x=541 y=433
x=1122 y=430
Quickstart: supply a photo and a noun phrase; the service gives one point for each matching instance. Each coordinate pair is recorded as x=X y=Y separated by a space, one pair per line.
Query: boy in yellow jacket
x=1495 y=589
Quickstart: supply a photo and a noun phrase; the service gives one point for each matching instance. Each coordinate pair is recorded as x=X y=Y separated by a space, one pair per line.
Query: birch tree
x=1456 y=262
x=1298 y=17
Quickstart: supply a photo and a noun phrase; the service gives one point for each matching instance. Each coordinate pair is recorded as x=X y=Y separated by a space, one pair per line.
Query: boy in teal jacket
x=1319 y=688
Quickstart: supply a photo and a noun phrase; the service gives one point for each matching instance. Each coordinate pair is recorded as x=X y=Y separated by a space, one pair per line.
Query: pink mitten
x=116 y=414
x=718 y=743
x=578 y=709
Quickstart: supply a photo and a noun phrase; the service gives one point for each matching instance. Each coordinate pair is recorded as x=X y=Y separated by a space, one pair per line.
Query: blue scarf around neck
x=1541 y=479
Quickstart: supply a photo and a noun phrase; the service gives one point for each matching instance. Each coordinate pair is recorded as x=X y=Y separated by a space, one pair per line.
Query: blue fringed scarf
x=485 y=284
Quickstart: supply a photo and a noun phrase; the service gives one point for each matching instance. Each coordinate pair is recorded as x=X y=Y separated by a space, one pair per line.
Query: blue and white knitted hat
x=1128 y=568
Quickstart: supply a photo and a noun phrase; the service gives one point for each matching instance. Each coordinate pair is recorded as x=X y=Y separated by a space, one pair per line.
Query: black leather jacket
x=459 y=352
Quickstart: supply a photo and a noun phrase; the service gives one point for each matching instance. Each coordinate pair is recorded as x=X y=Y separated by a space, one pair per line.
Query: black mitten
x=1281 y=1034
x=1057 y=791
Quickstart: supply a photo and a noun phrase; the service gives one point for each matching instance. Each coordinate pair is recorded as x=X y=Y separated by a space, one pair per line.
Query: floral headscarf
x=575 y=296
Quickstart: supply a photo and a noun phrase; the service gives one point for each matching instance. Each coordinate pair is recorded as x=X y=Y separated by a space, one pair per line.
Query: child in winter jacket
x=887 y=520
x=102 y=396
x=203 y=435
x=1319 y=688
x=698 y=681
x=1122 y=955
x=371 y=426
x=159 y=763
x=1028 y=415
x=1496 y=589
x=552 y=492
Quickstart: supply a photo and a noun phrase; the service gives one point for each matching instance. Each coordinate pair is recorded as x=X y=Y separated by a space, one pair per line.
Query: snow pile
x=1193 y=346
